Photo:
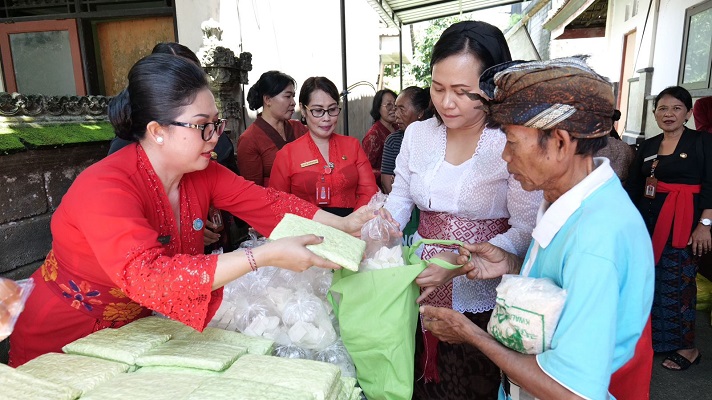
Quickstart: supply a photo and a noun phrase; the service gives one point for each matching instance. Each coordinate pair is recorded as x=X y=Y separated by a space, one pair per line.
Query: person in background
x=671 y=183
x=223 y=236
x=412 y=104
x=274 y=92
x=323 y=167
x=618 y=152
x=587 y=240
x=451 y=168
x=383 y=112
x=702 y=112
x=128 y=234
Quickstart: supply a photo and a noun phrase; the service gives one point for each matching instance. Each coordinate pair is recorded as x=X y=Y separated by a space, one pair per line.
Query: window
x=42 y=57
x=696 y=62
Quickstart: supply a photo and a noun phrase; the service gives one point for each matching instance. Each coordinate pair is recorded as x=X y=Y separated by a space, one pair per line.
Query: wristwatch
x=706 y=221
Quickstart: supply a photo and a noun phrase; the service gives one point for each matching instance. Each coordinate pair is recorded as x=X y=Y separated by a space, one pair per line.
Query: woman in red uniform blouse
x=323 y=167
x=383 y=112
x=128 y=234
x=272 y=129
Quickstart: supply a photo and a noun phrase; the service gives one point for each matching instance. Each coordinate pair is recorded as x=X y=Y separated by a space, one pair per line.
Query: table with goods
x=278 y=334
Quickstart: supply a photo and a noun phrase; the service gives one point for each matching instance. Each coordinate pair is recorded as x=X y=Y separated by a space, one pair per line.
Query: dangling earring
x=159 y=140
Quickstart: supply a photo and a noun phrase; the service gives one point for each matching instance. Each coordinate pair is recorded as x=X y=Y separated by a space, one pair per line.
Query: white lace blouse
x=485 y=190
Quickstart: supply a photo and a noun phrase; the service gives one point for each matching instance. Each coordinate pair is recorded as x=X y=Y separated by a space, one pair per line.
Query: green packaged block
x=176 y=370
x=318 y=378
x=233 y=389
x=115 y=345
x=213 y=356
x=17 y=385
x=79 y=372
x=338 y=247
x=254 y=345
x=157 y=325
x=146 y=386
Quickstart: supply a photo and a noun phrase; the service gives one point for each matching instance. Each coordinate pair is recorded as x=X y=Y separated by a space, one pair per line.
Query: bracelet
x=251 y=259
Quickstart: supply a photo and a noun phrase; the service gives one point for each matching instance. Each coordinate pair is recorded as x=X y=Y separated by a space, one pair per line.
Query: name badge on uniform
x=308 y=163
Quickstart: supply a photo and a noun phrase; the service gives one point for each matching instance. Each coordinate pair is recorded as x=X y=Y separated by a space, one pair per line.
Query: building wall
x=302 y=39
x=658 y=53
x=540 y=37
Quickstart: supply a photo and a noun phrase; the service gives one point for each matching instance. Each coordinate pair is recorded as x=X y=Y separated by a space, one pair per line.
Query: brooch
x=197 y=224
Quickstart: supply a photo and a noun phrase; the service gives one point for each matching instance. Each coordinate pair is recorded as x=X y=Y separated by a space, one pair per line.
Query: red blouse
x=117 y=251
x=300 y=164
x=373 y=144
x=258 y=145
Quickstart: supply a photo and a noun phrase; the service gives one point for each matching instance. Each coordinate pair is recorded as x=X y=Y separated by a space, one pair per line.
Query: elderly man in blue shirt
x=589 y=240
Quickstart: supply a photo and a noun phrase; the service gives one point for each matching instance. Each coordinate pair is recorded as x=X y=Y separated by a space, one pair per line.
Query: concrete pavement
x=694 y=383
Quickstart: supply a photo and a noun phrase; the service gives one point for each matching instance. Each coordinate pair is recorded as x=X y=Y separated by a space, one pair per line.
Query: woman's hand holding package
x=488 y=261
x=291 y=253
x=353 y=223
x=434 y=275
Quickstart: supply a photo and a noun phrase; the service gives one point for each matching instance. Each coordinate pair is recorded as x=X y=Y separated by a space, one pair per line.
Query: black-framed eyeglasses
x=206 y=130
x=319 y=112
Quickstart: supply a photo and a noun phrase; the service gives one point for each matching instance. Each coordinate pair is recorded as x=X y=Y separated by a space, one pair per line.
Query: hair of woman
x=270 y=84
x=677 y=92
x=160 y=85
x=378 y=102
x=176 y=49
x=484 y=41
x=315 y=83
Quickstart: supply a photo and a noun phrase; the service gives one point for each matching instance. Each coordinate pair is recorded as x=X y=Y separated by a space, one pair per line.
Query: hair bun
x=119 y=112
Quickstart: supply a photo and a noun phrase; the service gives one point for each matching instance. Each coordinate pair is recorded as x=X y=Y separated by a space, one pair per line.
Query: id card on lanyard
x=651 y=183
x=323 y=186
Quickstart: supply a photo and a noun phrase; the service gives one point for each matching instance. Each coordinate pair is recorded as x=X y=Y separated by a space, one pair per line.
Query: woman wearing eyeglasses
x=383 y=112
x=323 y=167
x=128 y=234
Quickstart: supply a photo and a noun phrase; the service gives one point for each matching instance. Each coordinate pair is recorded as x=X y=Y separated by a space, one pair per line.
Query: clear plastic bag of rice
x=383 y=239
x=13 y=295
x=526 y=313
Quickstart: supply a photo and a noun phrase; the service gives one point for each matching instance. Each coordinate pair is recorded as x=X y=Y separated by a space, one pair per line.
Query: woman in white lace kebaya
x=451 y=167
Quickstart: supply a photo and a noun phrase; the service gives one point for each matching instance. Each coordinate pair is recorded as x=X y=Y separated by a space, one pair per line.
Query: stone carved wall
x=16 y=107
x=227 y=73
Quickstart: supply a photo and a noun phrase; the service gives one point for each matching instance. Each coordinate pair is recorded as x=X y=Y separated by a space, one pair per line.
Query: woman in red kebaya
x=128 y=235
x=323 y=167
x=272 y=129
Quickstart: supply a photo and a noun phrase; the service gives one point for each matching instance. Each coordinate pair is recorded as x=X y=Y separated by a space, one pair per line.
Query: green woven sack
x=378 y=317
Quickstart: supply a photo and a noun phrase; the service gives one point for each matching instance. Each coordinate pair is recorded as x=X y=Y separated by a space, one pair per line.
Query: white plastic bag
x=383 y=239
x=526 y=313
x=13 y=296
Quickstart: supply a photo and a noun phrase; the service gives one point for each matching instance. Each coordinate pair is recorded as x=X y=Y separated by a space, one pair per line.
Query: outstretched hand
x=353 y=223
x=488 y=261
x=434 y=275
x=448 y=325
x=291 y=253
